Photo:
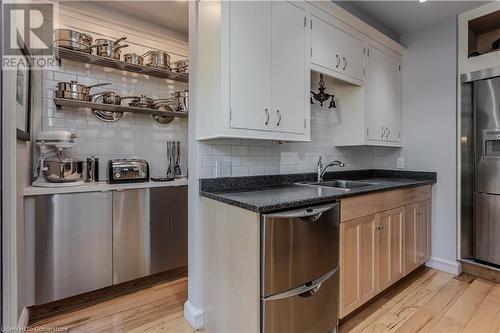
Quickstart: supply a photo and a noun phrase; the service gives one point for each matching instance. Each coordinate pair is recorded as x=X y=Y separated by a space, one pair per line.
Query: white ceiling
x=405 y=16
x=171 y=14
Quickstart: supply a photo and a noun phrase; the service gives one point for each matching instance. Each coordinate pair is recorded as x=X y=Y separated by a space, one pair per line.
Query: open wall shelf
x=116 y=108
x=63 y=53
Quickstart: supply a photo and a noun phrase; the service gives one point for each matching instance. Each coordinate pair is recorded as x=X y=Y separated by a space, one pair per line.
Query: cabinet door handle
x=279 y=117
x=345 y=63
x=338 y=60
x=268 y=115
x=383 y=132
x=388 y=132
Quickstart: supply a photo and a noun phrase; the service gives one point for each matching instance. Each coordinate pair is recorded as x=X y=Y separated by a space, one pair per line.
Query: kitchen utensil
x=177 y=167
x=161 y=119
x=128 y=171
x=110 y=48
x=170 y=168
x=106 y=97
x=141 y=101
x=66 y=170
x=75 y=90
x=74 y=40
x=181 y=66
x=496 y=45
x=157 y=58
x=133 y=58
x=92 y=169
x=181 y=100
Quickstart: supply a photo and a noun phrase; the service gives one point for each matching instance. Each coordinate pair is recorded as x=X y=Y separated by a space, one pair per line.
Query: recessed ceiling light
x=422 y=1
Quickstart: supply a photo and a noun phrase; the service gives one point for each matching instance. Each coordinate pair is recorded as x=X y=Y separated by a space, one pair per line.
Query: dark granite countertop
x=264 y=194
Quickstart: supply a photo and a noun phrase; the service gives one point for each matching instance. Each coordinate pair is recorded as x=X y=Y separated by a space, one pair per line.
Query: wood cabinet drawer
x=355 y=207
x=417 y=194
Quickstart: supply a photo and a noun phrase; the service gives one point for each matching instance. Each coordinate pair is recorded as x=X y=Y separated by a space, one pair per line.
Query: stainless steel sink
x=341 y=184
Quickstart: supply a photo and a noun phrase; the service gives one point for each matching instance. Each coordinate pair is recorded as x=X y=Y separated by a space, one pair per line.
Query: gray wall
x=429 y=74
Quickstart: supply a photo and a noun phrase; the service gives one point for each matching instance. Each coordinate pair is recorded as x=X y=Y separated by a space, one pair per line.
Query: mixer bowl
x=62 y=171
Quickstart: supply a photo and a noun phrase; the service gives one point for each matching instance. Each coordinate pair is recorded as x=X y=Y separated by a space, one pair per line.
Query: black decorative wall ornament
x=322 y=97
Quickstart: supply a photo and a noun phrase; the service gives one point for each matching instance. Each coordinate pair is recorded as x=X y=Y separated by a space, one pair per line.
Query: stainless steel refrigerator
x=486 y=201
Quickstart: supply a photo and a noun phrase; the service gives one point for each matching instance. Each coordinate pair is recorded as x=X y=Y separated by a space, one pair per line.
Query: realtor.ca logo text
x=27 y=34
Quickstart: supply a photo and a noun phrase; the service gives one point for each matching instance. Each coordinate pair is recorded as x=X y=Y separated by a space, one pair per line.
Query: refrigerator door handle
x=305 y=290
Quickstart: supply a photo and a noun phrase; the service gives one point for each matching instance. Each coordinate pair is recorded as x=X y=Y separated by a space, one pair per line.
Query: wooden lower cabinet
x=358 y=262
x=379 y=249
x=390 y=247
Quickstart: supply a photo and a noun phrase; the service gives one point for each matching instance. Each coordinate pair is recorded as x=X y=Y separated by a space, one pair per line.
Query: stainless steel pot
x=74 y=40
x=181 y=99
x=110 y=48
x=75 y=87
x=133 y=58
x=181 y=66
x=62 y=171
x=106 y=97
x=141 y=101
x=159 y=59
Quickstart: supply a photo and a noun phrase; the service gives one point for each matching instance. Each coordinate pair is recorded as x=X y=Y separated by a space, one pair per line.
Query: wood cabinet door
x=410 y=238
x=423 y=232
x=250 y=65
x=289 y=82
x=357 y=263
x=390 y=246
x=382 y=96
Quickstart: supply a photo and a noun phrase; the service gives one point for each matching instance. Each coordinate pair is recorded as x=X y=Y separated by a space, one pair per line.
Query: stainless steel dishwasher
x=300 y=279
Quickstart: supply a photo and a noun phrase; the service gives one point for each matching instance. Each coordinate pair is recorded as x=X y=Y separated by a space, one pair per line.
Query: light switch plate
x=223 y=169
x=400 y=164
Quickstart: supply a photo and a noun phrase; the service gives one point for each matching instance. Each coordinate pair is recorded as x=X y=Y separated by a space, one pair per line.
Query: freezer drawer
x=487 y=227
x=73 y=251
x=298 y=246
x=312 y=310
x=141 y=233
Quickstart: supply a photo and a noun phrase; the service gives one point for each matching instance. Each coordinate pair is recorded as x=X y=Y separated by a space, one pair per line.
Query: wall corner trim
x=193 y=315
x=23 y=320
x=453 y=267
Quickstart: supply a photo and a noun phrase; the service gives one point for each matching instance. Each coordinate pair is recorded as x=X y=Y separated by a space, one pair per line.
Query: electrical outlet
x=400 y=164
x=223 y=169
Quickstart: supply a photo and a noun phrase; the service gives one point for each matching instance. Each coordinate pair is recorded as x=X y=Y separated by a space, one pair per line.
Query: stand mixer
x=53 y=169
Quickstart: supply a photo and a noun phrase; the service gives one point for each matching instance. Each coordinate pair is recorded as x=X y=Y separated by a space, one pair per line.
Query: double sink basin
x=344 y=185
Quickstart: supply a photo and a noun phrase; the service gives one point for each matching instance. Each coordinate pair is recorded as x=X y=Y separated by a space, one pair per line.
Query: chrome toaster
x=128 y=171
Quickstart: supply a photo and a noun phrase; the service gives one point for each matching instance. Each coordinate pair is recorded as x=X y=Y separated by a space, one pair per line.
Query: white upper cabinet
x=261 y=69
x=289 y=68
x=382 y=96
x=250 y=65
x=371 y=115
x=335 y=52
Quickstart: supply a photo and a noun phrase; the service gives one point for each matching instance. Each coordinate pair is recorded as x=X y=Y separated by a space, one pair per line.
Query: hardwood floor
x=429 y=301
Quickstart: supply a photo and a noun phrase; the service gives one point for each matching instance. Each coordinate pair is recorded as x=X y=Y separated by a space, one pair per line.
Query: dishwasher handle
x=309 y=214
x=306 y=290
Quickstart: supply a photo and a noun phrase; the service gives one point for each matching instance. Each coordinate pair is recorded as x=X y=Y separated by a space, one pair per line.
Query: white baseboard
x=193 y=315
x=453 y=267
x=23 y=320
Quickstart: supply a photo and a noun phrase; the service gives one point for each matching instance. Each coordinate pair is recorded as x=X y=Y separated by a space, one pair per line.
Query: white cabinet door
x=336 y=50
x=382 y=96
x=250 y=64
x=288 y=66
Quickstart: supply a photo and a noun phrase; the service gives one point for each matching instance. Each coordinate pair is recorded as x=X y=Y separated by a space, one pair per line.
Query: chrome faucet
x=322 y=171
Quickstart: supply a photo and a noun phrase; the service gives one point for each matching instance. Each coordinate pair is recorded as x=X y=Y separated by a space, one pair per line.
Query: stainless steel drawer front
x=73 y=251
x=298 y=246
x=315 y=310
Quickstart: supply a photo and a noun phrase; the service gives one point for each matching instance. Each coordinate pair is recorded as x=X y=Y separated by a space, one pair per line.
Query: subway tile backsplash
x=133 y=136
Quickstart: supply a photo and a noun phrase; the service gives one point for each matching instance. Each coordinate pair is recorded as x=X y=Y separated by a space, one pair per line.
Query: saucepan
x=158 y=58
x=74 y=40
x=110 y=48
x=133 y=58
x=75 y=90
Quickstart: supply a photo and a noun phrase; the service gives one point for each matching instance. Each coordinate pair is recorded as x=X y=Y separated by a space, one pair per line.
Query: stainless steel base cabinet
x=73 y=244
x=142 y=236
